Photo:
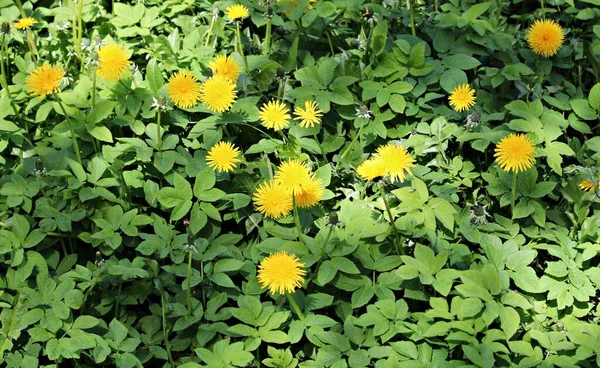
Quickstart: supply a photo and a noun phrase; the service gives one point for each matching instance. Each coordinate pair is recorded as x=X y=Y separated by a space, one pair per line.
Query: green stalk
x=321 y=147
x=202 y=284
x=500 y=7
x=158 y=134
x=399 y=249
x=21 y=10
x=209 y=33
x=297 y=219
x=436 y=5
x=543 y=10
x=94 y=76
x=267 y=49
x=79 y=25
x=73 y=136
x=362 y=125
x=238 y=37
x=4 y=82
x=331 y=49
x=513 y=195
x=295 y=306
x=189 y=285
x=74 y=30
x=118 y=299
x=412 y=17
x=165 y=335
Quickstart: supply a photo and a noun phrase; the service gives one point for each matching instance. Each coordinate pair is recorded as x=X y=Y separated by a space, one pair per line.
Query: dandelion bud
x=280 y=73
x=5 y=29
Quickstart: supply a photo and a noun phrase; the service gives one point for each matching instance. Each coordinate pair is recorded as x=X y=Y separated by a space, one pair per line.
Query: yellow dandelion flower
x=309 y=116
x=218 y=93
x=44 y=80
x=293 y=175
x=24 y=23
x=462 y=98
x=113 y=61
x=237 y=11
x=272 y=200
x=371 y=169
x=183 y=89
x=545 y=37
x=396 y=161
x=281 y=272
x=223 y=156
x=225 y=66
x=588 y=185
x=275 y=115
x=311 y=193
x=515 y=153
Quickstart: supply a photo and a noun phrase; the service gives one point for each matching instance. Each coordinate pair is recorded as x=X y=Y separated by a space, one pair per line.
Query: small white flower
x=473 y=120
x=159 y=104
x=364 y=112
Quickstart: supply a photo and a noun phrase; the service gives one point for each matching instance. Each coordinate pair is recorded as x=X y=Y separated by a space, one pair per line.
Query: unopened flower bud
x=5 y=29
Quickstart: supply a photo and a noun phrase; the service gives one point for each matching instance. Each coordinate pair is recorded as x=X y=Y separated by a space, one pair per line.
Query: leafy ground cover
x=298 y=183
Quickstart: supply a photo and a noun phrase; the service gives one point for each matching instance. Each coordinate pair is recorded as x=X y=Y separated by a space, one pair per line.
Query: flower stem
x=297 y=219
x=202 y=284
x=210 y=28
x=118 y=299
x=267 y=49
x=362 y=124
x=513 y=195
x=79 y=25
x=389 y=213
x=4 y=82
x=295 y=306
x=73 y=136
x=165 y=335
x=543 y=10
x=412 y=17
x=436 y=5
x=189 y=283
x=238 y=37
x=321 y=147
x=158 y=133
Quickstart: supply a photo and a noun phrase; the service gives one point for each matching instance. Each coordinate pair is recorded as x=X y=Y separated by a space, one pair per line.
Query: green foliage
x=140 y=255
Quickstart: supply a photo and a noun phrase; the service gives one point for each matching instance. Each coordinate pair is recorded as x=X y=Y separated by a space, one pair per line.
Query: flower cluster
x=293 y=182
x=276 y=115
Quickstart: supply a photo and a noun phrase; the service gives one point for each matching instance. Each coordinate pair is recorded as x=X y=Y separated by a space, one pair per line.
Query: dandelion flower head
x=184 y=89
x=223 y=156
x=272 y=200
x=44 y=80
x=237 y=11
x=515 y=153
x=281 y=272
x=293 y=175
x=113 y=61
x=275 y=115
x=309 y=116
x=218 y=93
x=225 y=66
x=311 y=193
x=462 y=98
x=396 y=161
x=24 y=23
x=371 y=169
x=545 y=37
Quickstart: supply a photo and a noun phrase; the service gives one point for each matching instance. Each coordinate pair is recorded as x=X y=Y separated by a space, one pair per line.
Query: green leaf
x=452 y=78
x=583 y=109
x=475 y=11
x=204 y=181
x=117 y=331
x=461 y=61
x=101 y=133
x=154 y=76
x=397 y=103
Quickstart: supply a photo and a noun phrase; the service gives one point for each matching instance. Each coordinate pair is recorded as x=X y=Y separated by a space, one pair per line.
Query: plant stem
x=295 y=306
x=500 y=7
x=412 y=17
x=436 y=5
x=89 y=290
x=94 y=76
x=399 y=249
x=331 y=49
x=158 y=133
x=79 y=25
x=297 y=219
x=118 y=299
x=238 y=36
x=543 y=10
x=267 y=49
x=202 y=284
x=189 y=282
x=165 y=335
x=210 y=28
x=73 y=136
x=362 y=124
x=320 y=146
x=513 y=195
x=4 y=82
